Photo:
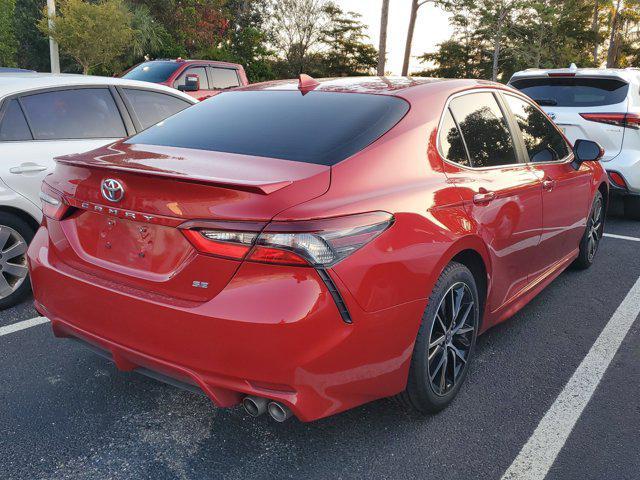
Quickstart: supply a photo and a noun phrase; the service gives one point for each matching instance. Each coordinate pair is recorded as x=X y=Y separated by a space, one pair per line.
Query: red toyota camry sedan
x=305 y=247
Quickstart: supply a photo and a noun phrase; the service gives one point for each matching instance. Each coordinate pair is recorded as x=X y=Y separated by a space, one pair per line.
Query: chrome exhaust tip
x=255 y=406
x=279 y=412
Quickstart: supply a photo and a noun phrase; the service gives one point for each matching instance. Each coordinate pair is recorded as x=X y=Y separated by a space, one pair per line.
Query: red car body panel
x=275 y=330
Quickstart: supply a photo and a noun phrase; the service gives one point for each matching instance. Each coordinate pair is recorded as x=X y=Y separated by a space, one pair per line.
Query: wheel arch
x=31 y=221
x=471 y=252
x=475 y=263
x=603 y=188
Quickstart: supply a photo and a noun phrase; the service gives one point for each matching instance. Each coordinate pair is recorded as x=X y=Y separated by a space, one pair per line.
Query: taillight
x=53 y=203
x=617 y=179
x=221 y=243
x=320 y=243
x=626 y=120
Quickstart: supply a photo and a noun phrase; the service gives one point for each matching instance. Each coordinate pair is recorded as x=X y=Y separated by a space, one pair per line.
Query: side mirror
x=191 y=83
x=586 y=151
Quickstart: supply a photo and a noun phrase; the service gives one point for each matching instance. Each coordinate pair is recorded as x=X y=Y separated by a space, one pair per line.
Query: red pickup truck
x=199 y=78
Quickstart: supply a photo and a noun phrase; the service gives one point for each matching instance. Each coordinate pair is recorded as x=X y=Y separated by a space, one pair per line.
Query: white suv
x=43 y=116
x=599 y=104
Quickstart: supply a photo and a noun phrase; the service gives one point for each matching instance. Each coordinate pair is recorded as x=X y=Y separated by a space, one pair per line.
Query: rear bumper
x=274 y=332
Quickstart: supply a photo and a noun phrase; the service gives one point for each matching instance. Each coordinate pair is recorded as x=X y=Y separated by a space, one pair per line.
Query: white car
x=599 y=104
x=43 y=116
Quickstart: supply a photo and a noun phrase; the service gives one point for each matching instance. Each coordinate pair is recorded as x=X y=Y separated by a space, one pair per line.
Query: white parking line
x=538 y=454
x=622 y=237
x=16 y=327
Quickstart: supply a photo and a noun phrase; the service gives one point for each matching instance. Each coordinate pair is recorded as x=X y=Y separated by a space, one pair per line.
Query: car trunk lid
x=136 y=240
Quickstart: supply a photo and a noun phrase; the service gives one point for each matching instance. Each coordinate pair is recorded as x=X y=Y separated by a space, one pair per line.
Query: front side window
x=485 y=130
x=541 y=139
x=201 y=72
x=451 y=144
x=14 y=126
x=317 y=127
x=74 y=114
x=153 y=107
x=223 y=78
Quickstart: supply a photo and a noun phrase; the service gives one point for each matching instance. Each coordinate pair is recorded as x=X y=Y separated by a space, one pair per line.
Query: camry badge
x=112 y=190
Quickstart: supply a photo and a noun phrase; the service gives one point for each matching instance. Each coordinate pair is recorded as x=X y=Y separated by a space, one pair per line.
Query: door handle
x=484 y=198
x=549 y=184
x=29 y=168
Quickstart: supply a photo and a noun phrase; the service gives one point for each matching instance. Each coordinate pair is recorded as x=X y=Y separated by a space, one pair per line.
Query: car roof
x=630 y=75
x=399 y=86
x=183 y=61
x=18 y=82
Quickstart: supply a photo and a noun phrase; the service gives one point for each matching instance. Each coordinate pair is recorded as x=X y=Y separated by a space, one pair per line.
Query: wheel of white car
x=15 y=236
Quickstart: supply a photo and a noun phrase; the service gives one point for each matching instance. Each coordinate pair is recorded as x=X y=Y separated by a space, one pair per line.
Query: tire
x=15 y=236
x=592 y=234
x=428 y=391
x=632 y=207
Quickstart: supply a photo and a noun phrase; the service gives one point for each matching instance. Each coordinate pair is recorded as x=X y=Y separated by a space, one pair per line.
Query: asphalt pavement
x=66 y=413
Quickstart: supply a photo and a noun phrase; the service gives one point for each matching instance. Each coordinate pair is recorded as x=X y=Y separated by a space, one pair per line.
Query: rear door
x=499 y=191
x=223 y=78
x=566 y=192
x=41 y=126
x=578 y=104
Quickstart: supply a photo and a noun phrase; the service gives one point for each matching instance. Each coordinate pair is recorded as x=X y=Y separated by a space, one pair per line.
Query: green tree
x=91 y=33
x=245 y=40
x=318 y=38
x=8 y=42
x=623 y=20
x=32 y=45
x=296 y=29
x=347 y=52
x=494 y=39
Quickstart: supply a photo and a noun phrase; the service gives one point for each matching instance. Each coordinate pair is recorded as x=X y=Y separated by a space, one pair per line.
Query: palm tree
x=415 y=5
x=382 y=47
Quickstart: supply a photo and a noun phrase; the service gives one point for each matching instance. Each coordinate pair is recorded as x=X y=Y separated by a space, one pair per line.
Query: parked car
x=43 y=116
x=599 y=104
x=199 y=78
x=308 y=247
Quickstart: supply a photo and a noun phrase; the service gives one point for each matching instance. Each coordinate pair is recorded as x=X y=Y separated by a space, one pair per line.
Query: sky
x=432 y=27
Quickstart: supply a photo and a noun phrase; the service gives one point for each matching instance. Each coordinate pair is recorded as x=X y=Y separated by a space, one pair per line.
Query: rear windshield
x=573 y=91
x=155 y=72
x=318 y=127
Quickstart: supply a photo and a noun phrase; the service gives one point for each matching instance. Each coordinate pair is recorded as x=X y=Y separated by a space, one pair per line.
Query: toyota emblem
x=112 y=190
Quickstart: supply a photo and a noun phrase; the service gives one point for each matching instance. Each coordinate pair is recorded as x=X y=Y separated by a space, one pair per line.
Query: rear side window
x=541 y=139
x=451 y=144
x=484 y=128
x=74 y=114
x=202 y=76
x=14 y=126
x=573 y=91
x=152 y=107
x=154 y=72
x=222 y=78
x=318 y=127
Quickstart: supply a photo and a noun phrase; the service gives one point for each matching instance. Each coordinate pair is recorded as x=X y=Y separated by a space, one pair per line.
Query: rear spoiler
x=580 y=75
x=262 y=188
